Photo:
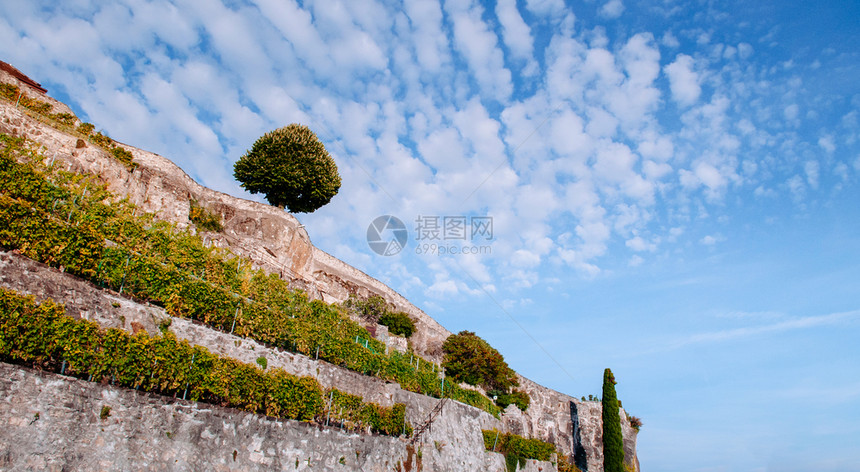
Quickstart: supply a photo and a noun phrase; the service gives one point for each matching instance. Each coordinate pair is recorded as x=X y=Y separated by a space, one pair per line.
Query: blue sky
x=673 y=184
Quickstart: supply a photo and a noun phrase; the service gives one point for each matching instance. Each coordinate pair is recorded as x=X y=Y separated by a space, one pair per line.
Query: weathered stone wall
x=53 y=422
x=454 y=442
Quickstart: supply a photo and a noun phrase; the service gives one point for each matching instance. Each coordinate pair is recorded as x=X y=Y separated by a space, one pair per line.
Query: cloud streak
x=795 y=324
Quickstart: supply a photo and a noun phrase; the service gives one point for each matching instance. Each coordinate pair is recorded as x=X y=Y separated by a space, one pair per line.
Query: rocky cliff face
x=274 y=241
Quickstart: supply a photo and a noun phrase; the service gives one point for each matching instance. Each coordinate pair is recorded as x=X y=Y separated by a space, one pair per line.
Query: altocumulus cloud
x=571 y=139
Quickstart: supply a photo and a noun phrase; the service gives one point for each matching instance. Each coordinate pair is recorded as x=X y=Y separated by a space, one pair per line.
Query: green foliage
x=398 y=323
x=291 y=167
x=348 y=412
x=9 y=91
x=565 y=464
x=635 y=422
x=204 y=219
x=40 y=335
x=105 y=413
x=123 y=155
x=164 y=324
x=613 y=446
x=516 y=397
x=61 y=219
x=12 y=93
x=470 y=359
x=262 y=362
x=517 y=448
x=371 y=309
x=375 y=310
x=101 y=140
x=67 y=119
x=86 y=128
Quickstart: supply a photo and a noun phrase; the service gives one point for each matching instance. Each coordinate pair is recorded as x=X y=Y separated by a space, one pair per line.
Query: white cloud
x=478 y=44
x=683 y=80
x=826 y=143
x=669 y=40
x=612 y=9
x=430 y=42
x=791 y=111
x=709 y=240
x=797 y=188
x=545 y=7
x=639 y=245
x=811 y=169
x=807 y=322
x=516 y=32
x=745 y=50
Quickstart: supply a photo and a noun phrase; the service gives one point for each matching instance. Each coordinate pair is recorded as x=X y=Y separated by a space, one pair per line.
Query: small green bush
x=371 y=309
x=124 y=156
x=517 y=448
x=203 y=218
x=398 y=323
x=65 y=118
x=516 y=397
x=102 y=140
x=86 y=128
x=9 y=91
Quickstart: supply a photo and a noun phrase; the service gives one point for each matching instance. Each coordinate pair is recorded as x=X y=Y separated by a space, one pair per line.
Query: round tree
x=291 y=167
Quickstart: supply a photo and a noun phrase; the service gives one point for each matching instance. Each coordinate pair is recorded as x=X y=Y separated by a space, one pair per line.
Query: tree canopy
x=470 y=359
x=291 y=167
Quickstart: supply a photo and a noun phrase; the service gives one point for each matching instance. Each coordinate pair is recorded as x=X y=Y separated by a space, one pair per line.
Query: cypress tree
x=613 y=446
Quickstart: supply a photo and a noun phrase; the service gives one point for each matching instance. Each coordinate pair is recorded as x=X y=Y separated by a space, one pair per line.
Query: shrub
x=635 y=422
x=291 y=167
x=204 y=219
x=516 y=397
x=398 y=323
x=65 y=118
x=371 y=309
x=517 y=449
x=9 y=91
x=86 y=128
x=613 y=446
x=102 y=140
x=565 y=464
x=470 y=359
x=124 y=156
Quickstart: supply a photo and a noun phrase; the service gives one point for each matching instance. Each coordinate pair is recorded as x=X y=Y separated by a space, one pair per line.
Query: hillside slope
x=274 y=242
